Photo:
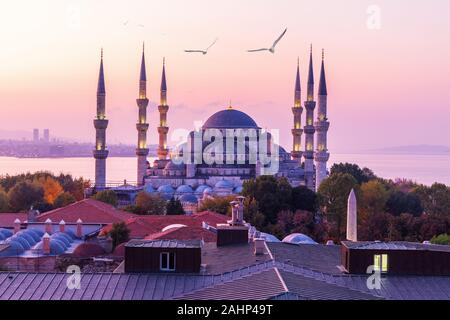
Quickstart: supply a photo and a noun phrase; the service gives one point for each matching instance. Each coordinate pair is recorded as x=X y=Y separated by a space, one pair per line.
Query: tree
x=52 y=188
x=24 y=195
x=401 y=202
x=361 y=175
x=443 y=239
x=119 y=233
x=374 y=196
x=150 y=204
x=64 y=199
x=106 y=196
x=435 y=199
x=4 y=201
x=376 y=227
x=252 y=214
x=218 y=204
x=301 y=222
x=304 y=199
x=333 y=195
x=174 y=207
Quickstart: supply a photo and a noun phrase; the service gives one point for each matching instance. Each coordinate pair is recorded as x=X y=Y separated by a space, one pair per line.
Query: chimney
x=240 y=200
x=16 y=225
x=234 y=232
x=79 y=233
x=352 y=217
x=32 y=214
x=62 y=226
x=234 y=213
x=46 y=243
x=48 y=226
x=259 y=246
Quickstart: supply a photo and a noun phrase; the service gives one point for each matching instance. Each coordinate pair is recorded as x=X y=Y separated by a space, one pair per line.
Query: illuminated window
x=380 y=262
x=167 y=261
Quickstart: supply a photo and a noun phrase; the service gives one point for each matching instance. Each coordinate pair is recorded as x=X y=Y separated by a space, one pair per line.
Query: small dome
x=5 y=233
x=172 y=226
x=224 y=184
x=14 y=249
x=238 y=189
x=190 y=198
x=23 y=241
x=199 y=190
x=27 y=236
x=34 y=234
x=184 y=189
x=167 y=189
x=208 y=190
x=148 y=188
x=173 y=166
x=57 y=247
x=298 y=238
x=268 y=237
x=230 y=118
x=60 y=237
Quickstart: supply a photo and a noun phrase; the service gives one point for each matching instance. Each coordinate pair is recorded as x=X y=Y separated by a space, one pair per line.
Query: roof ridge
x=44 y=214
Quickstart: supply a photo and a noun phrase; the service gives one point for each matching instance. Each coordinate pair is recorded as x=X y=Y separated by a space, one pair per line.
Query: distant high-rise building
x=47 y=135
x=36 y=135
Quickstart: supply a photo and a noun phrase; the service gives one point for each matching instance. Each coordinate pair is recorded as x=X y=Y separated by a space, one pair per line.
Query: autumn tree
x=361 y=175
x=4 y=201
x=218 y=204
x=435 y=199
x=52 y=188
x=373 y=197
x=64 y=199
x=106 y=196
x=24 y=195
x=119 y=233
x=150 y=204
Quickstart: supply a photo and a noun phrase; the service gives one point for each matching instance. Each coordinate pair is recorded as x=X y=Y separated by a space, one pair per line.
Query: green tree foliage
x=304 y=199
x=150 y=204
x=219 y=204
x=374 y=197
x=64 y=199
x=174 y=207
x=106 y=196
x=435 y=199
x=333 y=196
x=119 y=233
x=361 y=175
x=24 y=195
x=4 y=201
x=401 y=202
x=443 y=239
x=301 y=222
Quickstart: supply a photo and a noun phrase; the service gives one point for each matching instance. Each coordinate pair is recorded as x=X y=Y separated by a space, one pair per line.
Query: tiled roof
x=142 y=226
x=394 y=245
x=89 y=211
x=185 y=233
x=7 y=219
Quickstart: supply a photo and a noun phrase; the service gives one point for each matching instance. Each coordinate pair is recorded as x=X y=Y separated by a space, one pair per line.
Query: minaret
x=142 y=125
x=100 y=124
x=163 y=108
x=309 y=130
x=297 y=111
x=322 y=155
x=352 y=217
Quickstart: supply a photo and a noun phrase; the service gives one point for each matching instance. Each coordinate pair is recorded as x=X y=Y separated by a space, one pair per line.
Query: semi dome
x=184 y=188
x=148 y=188
x=173 y=166
x=230 y=118
x=167 y=189
x=224 y=184
x=298 y=238
x=5 y=233
x=201 y=188
x=238 y=189
x=188 y=198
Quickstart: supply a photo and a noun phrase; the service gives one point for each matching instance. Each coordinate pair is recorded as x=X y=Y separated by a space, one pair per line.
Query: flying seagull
x=202 y=51
x=272 y=48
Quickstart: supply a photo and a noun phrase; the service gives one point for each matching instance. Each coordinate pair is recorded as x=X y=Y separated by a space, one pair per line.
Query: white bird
x=272 y=48
x=202 y=51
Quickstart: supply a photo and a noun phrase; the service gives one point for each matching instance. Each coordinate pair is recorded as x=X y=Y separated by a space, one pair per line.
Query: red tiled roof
x=86 y=250
x=89 y=211
x=184 y=233
x=7 y=219
x=142 y=226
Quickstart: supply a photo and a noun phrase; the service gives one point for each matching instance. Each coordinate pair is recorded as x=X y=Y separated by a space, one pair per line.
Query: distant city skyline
x=387 y=87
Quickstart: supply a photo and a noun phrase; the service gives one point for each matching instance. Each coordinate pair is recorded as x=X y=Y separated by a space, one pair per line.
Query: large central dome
x=230 y=118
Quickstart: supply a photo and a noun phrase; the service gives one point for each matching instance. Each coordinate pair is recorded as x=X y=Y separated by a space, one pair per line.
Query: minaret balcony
x=297 y=132
x=163 y=108
x=142 y=151
x=297 y=111
x=142 y=103
x=309 y=129
x=321 y=126
x=163 y=130
x=100 y=154
x=310 y=105
x=322 y=156
x=308 y=154
x=142 y=126
x=296 y=154
x=100 y=124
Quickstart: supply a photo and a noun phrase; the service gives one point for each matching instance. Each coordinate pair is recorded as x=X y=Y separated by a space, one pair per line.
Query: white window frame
x=167 y=258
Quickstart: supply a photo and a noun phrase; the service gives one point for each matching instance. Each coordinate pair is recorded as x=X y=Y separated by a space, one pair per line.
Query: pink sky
x=386 y=87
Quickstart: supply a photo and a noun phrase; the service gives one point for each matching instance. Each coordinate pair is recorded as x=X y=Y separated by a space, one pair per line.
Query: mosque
x=205 y=166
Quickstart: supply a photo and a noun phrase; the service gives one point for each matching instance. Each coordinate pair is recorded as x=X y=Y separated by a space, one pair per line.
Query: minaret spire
x=142 y=125
x=321 y=125
x=309 y=130
x=297 y=110
x=163 y=108
x=100 y=123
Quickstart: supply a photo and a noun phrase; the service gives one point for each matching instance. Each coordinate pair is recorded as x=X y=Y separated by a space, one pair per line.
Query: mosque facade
x=227 y=150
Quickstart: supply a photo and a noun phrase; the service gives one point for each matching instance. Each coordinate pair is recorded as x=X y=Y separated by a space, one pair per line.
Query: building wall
x=23 y=264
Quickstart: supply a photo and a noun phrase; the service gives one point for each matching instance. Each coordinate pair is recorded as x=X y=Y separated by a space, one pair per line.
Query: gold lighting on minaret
x=297 y=110
x=163 y=129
